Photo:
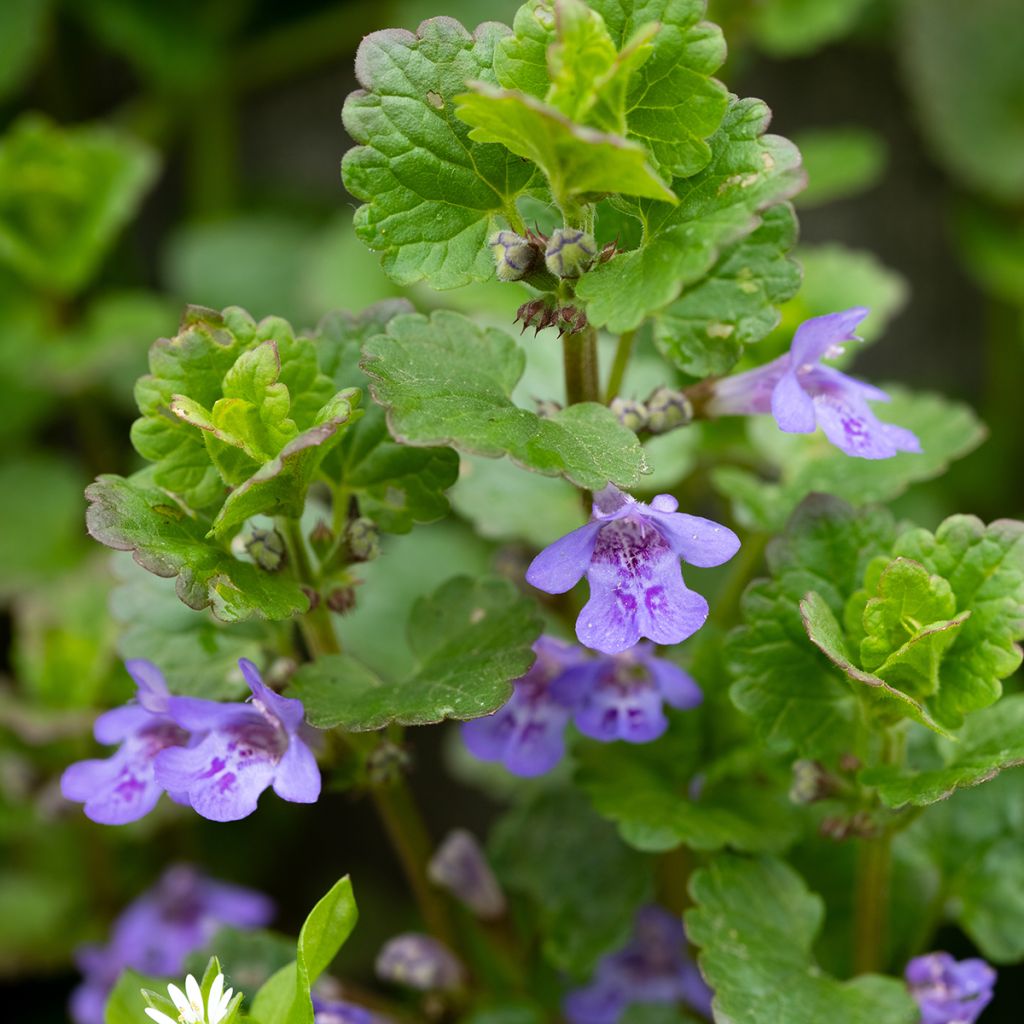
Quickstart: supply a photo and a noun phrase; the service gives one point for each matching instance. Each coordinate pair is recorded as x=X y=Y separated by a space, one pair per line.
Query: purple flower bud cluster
x=950 y=991
x=615 y=697
x=155 y=934
x=216 y=757
x=803 y=395
x=653 y=967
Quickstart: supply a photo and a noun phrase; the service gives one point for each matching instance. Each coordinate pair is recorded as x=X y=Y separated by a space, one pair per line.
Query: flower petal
x=297 y=777
x=698 y=541
x=118 y=724
x=561 y=565
x=678 y=688
x=115 y=791
x=792 y=407
x=814 y=337
x=152 y=688
x=159 y=1016
x=853 y=428
x=289 y=710
x=632 y=713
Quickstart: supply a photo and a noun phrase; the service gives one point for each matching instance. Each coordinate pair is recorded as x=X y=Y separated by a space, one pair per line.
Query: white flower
x=189 y=1003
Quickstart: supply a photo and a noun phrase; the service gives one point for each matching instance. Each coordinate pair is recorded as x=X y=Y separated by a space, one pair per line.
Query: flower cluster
x=949 y=991
x=803 y=395
x=156 y=934
x=652 y=967
x=615 y=697
x=216 y=757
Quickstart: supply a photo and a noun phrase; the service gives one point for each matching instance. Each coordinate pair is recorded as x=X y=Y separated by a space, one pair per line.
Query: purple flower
x=419 y=962
x=803 y=395
x=652 y=968
x=620 y=697
x=156 y=933
x=527 y=735
x=459 y=865
x=123 y=787
x=340 y=1011
x=630 y=553
x=950 y=991
x=245 y=749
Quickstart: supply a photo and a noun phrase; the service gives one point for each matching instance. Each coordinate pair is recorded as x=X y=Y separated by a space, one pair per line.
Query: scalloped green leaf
x=705 y=330
x=446 y=381
x=132 y=515
x=432 y=195
x=748 y=172
x=470 y=639
x=755 y=922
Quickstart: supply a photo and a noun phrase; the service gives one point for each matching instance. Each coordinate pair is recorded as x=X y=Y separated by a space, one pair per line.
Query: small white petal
x=159 y=1016
x=195 y=994
x=178 y=998
x=216 y=991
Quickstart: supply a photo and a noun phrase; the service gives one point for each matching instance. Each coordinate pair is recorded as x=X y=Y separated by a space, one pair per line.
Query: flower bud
x=312 y=595
x=546 y=408
x=363 y=539
x=514 y=255
x=810 y=784
x=569 y=252
x=321 y=539
x=419 y=962
x=266 y=548
x=341 y=600
x=460 y=867
x=386 y=763
x=667 y=409
x=630 y=413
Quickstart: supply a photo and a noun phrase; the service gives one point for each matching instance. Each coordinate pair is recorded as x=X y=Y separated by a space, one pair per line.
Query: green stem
x=623 y=353
x=579 y=353
x=316 y=625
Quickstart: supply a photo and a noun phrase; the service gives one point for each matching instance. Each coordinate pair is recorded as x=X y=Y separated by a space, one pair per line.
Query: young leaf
x=131 y=515
x=445 y=381
x=749 y=171
x=432 y=196
x=704 y=331
x=470 y=638
x=755 y=923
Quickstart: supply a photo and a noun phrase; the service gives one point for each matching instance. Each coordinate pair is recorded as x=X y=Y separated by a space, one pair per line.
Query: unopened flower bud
x=363 y=539
x=546 y=408
x=514 y=255
x=386 y=763
x=460 y=867
x=667 y=409
x=419 y=962
x=312 y=595
x=321 y=539
x=810 y=782
x=341 y=600
x=266 y=548
x=630 y=413
x=569 y=252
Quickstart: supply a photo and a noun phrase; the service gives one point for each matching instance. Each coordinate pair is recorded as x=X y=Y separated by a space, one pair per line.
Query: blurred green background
x=157 y=152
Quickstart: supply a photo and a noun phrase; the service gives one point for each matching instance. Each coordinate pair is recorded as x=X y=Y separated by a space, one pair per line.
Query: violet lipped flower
x=124 y=787
x=420 y=962
x=621 y=696
x=460 y=866
x=245 y=749
x=156 y=933
x=950 y=991
x=527 y=735
x=653 y=967
x=630 y=554
x=803 y=395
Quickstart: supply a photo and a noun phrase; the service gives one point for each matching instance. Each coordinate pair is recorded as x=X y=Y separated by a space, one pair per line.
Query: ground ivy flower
x=246 y=748
x=459 y=865
x=630 y=553
x=527 y=735
x=652 y=968
x=620 y=697
x=124 y=787
x=191 y=1007
x=339 y=1011
x=803 y=395
x=419 y=962
x=158 y=931
x=949 y=991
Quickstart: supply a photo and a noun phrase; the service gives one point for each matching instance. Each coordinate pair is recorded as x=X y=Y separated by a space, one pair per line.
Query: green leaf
x=470 y=639
x=22 y=25
x=755 y=923
x=397 y=485
x=285 y=998
x=840 y=162
x=131 y=515
x=789 y=28
x=126 y=1003
x=807 y=463
x=65 y=193
x=432 y=195
x=748 y=172
x=797 y=697
x=990 y=241
x=445 y=381
x=575 y=159
x=704 y=331
x=985 y=568
x=537 y=849
x=990 y=742
x=674 y=104
x=521 y=59
x=963 y=72
x=826 y=634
